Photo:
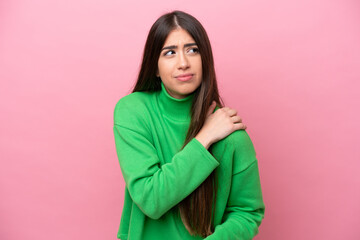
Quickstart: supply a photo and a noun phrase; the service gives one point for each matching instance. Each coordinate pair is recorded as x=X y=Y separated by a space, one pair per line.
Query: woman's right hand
x=219 y=125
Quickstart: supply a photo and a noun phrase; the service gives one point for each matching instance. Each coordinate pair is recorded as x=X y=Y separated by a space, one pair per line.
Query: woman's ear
x=157 y=73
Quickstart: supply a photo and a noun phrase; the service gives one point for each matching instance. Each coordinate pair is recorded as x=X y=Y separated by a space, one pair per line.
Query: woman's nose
x=183 y=61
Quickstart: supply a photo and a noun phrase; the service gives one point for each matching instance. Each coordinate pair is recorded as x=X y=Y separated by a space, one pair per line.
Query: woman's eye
x=168 y=53
x=194 y=50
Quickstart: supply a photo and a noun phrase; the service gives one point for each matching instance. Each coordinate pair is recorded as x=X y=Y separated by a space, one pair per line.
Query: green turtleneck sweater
x=149 y=130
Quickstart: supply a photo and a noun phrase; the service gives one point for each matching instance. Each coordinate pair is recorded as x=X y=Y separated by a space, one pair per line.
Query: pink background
x=291 y=69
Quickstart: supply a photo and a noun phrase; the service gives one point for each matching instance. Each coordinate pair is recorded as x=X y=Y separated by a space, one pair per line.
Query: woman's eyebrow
x=174 y=46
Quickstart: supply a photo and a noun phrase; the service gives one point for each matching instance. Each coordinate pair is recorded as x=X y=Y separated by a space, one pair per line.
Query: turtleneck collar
x=176 y=109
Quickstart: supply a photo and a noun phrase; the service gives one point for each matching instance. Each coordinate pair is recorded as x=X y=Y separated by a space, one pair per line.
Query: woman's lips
x=184 y=77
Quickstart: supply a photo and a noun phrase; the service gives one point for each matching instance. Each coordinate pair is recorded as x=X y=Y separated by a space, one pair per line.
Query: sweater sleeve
x=245 y=207
x=156 y=189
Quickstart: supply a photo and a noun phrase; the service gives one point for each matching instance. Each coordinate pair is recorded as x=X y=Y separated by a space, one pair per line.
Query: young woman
x=190 y=168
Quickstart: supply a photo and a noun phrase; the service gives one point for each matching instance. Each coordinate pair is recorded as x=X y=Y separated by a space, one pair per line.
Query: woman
x=190 y=168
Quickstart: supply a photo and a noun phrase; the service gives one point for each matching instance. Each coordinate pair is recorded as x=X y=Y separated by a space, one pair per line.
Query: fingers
x=240 y=126
x=236 y=119
x=238 y=122
x=229 y=111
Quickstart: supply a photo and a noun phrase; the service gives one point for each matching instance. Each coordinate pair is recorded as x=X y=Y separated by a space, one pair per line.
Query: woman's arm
x=245 y=208
x=155 y=189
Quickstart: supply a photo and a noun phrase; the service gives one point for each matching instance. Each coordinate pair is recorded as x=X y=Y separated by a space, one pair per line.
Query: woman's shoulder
x=239 y=138
x=134 y=98
x=132 y=107
x=241 y=145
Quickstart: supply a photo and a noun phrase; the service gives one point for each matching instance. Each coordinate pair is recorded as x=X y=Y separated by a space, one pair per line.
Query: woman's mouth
x=184 y=77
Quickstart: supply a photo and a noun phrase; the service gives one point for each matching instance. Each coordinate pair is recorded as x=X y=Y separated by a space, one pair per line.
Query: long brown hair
x=196 y=210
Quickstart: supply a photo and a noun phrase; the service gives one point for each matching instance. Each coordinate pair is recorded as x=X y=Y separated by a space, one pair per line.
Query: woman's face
x=180 y=56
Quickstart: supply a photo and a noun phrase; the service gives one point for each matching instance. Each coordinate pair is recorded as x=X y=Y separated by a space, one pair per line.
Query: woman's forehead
x=178 y=36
